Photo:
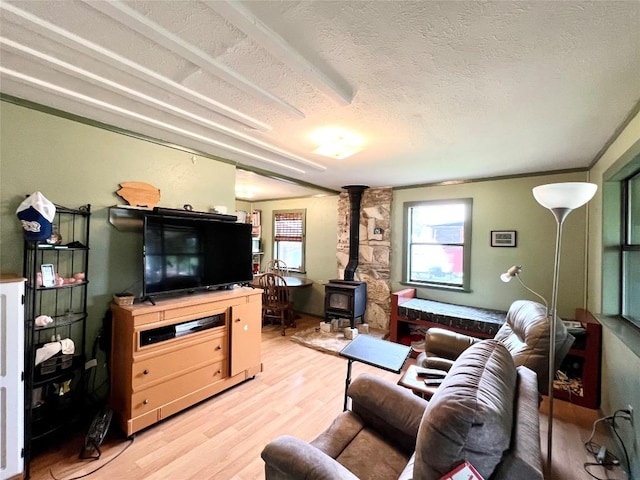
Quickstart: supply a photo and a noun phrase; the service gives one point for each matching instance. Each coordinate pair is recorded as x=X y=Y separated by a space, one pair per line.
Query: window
x=288 y=238
x=630 y=247
x=438 y=243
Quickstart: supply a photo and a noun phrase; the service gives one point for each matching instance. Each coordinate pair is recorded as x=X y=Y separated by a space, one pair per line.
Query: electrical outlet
x=630 y=408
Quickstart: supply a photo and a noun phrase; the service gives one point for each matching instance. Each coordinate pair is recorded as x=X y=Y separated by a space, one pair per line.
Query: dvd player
x=160 y=334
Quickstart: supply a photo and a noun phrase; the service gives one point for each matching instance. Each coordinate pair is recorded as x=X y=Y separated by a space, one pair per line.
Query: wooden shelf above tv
x=127 y=218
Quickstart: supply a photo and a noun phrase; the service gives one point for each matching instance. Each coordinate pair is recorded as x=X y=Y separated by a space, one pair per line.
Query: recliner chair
x=525 y=333
x=485 y=412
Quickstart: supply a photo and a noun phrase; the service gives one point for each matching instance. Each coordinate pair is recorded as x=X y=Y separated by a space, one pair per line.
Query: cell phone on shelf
x=48 y=275
x=424 y=372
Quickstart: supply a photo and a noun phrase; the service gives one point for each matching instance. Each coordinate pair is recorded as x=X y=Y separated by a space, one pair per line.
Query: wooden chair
x=276 y=300
x=278 y=267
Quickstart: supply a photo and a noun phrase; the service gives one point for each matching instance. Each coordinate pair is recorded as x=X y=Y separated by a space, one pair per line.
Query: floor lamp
x=561 y=199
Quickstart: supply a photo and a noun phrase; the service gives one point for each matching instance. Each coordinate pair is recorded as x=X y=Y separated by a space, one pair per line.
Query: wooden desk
x=292 y=282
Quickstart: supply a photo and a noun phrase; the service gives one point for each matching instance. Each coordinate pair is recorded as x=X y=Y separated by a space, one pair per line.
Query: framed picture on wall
x=503 y=238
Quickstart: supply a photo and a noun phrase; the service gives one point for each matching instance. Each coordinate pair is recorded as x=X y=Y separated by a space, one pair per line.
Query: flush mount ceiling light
x=336 y=143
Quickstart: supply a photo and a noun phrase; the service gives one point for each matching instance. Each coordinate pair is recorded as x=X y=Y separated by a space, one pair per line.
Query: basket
x=57 y=363
x=122 y=299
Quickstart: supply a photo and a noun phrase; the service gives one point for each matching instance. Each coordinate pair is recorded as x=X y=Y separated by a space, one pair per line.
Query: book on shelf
x=574 y=327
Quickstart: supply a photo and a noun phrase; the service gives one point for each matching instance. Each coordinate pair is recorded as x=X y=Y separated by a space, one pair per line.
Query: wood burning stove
x=348 y=298
x=345 y=299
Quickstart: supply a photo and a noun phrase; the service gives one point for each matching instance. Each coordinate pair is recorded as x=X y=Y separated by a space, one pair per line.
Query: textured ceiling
x=438 y=90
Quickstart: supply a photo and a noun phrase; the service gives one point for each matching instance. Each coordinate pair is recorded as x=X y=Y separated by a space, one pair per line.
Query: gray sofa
x=485 y=412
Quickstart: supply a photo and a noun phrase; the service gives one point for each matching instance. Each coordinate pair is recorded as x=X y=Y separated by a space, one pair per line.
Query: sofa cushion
x=376 y=429
x=359 y=448
x=470 y=417
x=371 y=456
x=377 y=402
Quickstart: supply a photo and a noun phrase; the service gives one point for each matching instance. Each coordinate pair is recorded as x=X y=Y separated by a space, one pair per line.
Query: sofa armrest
x=434 y=362
x=393 y=411
x=443 y=343
x=524 y=457
x=288 y=457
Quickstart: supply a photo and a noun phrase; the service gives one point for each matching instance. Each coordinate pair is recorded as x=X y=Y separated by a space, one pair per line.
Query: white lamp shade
x=505 y=277
x=564 y=195
x=509 y=274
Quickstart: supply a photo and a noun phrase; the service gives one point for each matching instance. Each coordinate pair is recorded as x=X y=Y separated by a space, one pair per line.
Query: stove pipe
x=355 y=197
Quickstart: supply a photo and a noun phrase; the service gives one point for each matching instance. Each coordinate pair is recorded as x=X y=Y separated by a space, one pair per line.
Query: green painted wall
x=72 y=164
x=242 y=205
x=620 y=342
x=619 y=155
x=321 y=244
x=523 y=214
x=507 y=205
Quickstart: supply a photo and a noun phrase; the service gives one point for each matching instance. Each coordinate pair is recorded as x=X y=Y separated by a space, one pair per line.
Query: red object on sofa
x=463 y=471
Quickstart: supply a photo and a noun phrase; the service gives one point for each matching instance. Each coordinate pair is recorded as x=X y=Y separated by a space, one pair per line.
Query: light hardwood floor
x=299 y=393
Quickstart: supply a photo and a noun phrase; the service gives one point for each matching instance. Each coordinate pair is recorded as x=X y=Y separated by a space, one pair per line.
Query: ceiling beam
x=85 y=75
x=164 y=126
x=108 y=57
x=241 y=17
x=137 y=22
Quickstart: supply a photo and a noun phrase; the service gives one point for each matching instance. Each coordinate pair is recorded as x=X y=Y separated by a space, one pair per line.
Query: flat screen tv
x=184 y=254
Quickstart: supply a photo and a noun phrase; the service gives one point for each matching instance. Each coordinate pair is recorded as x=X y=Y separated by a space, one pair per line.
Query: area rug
x=330 y=343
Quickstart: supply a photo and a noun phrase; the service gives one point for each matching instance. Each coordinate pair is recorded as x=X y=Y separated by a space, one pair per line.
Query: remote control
x=432 y=382
x=430 y=372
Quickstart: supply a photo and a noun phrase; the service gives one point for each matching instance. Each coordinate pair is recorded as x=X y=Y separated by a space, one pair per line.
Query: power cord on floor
x=100 y=467
x=626 y=414
x=603 y=457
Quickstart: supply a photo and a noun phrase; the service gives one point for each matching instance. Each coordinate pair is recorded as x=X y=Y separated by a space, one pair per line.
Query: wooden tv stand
x=180 y=351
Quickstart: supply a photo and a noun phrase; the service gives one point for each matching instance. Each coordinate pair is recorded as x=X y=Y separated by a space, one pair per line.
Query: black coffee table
x=378 y=353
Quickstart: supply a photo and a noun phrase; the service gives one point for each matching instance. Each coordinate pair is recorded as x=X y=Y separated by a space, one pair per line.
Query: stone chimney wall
x=375 y=251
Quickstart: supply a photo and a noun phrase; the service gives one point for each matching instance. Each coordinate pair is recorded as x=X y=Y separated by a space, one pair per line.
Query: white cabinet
x=11 y=375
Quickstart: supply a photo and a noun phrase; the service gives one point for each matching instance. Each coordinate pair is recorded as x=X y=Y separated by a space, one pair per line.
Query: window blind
x=288 y=227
